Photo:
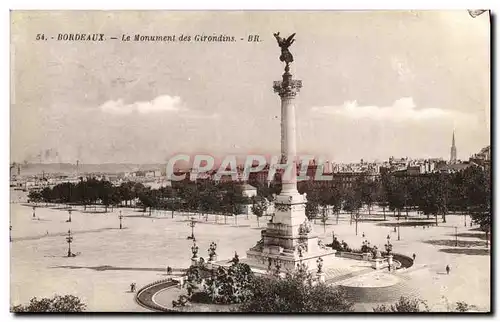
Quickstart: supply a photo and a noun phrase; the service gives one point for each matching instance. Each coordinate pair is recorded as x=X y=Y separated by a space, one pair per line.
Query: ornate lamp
x=194 y=250
x=388 y=245
x=211 y=251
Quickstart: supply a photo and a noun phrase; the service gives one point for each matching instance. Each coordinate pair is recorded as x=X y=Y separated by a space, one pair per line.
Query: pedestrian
x=394 y=229
x=363 y=234
x=414 y=256
x=132 y=287
x=448 y=269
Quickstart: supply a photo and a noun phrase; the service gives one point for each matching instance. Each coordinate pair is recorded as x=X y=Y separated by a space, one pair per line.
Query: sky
x=375 y=84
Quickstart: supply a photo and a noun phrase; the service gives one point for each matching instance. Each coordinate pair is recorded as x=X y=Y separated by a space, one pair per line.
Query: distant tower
x=453 y=152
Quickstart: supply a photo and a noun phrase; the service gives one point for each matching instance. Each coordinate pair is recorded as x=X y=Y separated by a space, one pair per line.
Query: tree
x=35 y=196
x=442 y=183
x=312 y=205
x=382 y=196
x=478 y=189
x=170 y=199
x=105 y=194
x=125 y=190
x=62 y=192
x=147 y=200
x=403 y=305
x=66 y=303
x=294 y=293
x=324 y=218
x=267 y=191
x=324 y=201
x=396 y=196
x=335 y=200
x=208 y=198
x=352 y=204
x=92 y=190
x=367 y=190
x=46 y=194
x=233 y=199
x=191 y=196
x=115 y=198
x=427 y=201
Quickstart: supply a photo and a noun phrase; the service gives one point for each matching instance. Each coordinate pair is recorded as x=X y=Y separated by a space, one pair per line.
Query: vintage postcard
x=250 y=161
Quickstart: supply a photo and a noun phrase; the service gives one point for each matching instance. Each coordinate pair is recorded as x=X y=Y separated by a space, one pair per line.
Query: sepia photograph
x=331 y=161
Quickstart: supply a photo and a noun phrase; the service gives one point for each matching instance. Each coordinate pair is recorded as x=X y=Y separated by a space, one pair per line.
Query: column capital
x=287 y=88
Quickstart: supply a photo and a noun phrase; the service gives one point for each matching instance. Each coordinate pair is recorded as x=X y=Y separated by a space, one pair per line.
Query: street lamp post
x=456 y=237
x=120 y=217
x=356 y=217
x=388 y=249
x=399 y=236
x=192 y=224
x=34 y=207
x=69 y=213
x=10 y=233
x=465 y=220
x=69 y=240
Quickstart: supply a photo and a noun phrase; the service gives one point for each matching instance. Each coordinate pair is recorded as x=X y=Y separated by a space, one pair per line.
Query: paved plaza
x=109 y=259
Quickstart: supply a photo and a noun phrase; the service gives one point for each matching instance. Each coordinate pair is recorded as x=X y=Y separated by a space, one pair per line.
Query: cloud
x=162 y=103
x=403 y=109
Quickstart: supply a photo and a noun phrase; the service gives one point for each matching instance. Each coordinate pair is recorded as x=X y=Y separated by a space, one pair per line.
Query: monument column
x=289 y=238
x=287 y=90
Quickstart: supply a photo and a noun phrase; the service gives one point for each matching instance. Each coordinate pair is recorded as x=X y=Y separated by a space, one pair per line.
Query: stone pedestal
x=389 y=260
x=378 y=263
x=289 y=239
x=367 y=256
x=321 y=277
x=211 y=262
x=194 y=261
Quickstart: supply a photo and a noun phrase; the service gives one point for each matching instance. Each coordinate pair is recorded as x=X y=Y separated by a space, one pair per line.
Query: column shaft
x=288 y=143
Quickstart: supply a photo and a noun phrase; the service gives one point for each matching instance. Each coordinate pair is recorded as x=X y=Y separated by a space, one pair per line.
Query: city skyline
x=366 y=92
x=51 y=156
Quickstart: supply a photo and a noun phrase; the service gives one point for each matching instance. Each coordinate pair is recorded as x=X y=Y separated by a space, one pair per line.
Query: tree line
x=466 y=192
x=198 y=197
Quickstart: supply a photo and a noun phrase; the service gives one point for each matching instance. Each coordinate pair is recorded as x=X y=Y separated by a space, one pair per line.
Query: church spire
x=453 y=150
